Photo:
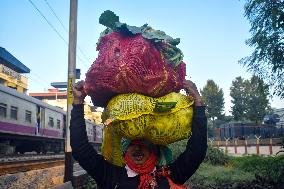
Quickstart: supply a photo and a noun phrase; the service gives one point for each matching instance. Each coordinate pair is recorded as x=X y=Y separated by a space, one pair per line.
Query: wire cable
x=65 y=29
x=49 y=23
x=37 y=81
x=53 y=12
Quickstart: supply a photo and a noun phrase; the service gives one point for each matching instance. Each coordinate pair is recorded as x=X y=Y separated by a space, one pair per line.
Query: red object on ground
x=130 y=64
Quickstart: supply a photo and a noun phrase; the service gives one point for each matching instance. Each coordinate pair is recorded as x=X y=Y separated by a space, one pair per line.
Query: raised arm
x=82 y=150
x=188 y=162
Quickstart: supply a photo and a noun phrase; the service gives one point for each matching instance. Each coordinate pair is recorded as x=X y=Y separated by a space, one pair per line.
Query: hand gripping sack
x=161 y=120
x=130 y=64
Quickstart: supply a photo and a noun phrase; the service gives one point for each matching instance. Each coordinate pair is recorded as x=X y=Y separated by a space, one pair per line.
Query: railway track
x=9 y=167
x=24 y=157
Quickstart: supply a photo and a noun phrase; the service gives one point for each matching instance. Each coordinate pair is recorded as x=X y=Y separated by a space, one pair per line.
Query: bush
x=219 y=177
x=90 y=183
x=253 y=172
x=216 y=156
x=267 y=170
x=178 y=147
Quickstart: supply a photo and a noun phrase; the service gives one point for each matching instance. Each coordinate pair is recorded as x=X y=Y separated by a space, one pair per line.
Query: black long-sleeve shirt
x=109 y=176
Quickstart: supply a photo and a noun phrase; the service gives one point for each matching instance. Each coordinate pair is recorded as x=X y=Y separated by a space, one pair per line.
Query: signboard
x=69 y=91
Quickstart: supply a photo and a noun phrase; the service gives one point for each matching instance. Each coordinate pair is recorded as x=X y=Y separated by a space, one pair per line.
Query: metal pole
x=246 y=146
x=68 y=174
x=270 y=146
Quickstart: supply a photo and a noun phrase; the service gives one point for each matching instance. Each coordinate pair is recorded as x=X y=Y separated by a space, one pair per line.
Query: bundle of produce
x=133 y=60
x=160 y=120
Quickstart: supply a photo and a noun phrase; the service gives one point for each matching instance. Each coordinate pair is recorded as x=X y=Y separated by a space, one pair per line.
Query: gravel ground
x=37 y=179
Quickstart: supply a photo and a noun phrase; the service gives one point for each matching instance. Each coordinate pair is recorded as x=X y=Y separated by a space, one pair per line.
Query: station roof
x=59 y=84
x=10 y=61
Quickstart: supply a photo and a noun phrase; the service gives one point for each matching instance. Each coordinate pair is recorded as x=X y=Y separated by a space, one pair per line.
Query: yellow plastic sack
x=161 y=120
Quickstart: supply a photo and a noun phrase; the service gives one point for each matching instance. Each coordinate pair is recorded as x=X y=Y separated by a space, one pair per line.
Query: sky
x=212 y=33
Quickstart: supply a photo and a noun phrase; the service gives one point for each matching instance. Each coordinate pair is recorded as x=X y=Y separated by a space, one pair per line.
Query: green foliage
x=213 y=97
x=267 y=28
x=90 y=183
x=219 y=177
x=249 y=99
x=253 y=172
x=239 y=98
x=213 y=156
x=210 y=130
x=178 y=147
x=266 y=169
x=258 y=102
x=108 y=19
x=216 y=156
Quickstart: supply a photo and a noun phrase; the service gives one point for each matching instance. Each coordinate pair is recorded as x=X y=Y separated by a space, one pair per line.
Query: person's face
x=139 y=153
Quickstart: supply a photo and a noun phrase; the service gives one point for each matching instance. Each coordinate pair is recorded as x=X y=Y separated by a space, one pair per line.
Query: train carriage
x=90 y=130
x=28 y=124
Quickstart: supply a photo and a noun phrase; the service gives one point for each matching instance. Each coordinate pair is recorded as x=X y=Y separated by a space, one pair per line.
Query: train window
x=14 y=112
x=3 y=110
x=28 y=116
x=58 y=124
x=51 y=122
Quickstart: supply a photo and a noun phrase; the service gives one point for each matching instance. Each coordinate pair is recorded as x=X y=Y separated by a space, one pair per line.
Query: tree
x=258 y=102
x=249 y=99
x=213 y=97
x=267 y=27
x=239 y=99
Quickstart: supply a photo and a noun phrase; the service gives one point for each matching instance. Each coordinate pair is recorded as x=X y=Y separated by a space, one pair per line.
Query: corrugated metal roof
x=10 y=61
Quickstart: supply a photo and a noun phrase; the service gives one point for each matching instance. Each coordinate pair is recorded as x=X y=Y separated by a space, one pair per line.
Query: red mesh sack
x=130 y=64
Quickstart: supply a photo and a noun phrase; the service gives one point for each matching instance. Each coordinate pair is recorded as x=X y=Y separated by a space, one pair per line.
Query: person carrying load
x=137 y=78
x=141 y=157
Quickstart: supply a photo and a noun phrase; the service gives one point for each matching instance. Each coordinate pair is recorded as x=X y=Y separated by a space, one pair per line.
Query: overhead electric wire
x=53 y=12
x=37 y=81
x=39 y=77
x=65 y=29
x=49 y=23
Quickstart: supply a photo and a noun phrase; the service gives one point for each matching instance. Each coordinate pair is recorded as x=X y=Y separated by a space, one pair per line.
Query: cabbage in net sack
x=133 y=60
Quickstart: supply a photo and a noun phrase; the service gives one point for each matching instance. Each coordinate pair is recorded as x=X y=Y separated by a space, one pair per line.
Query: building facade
x=11 y=72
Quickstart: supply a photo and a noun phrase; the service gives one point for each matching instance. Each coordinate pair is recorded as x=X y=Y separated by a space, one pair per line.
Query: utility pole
x=68 y=174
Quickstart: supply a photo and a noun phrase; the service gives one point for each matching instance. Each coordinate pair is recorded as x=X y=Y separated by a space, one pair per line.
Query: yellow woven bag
x=161 y=120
